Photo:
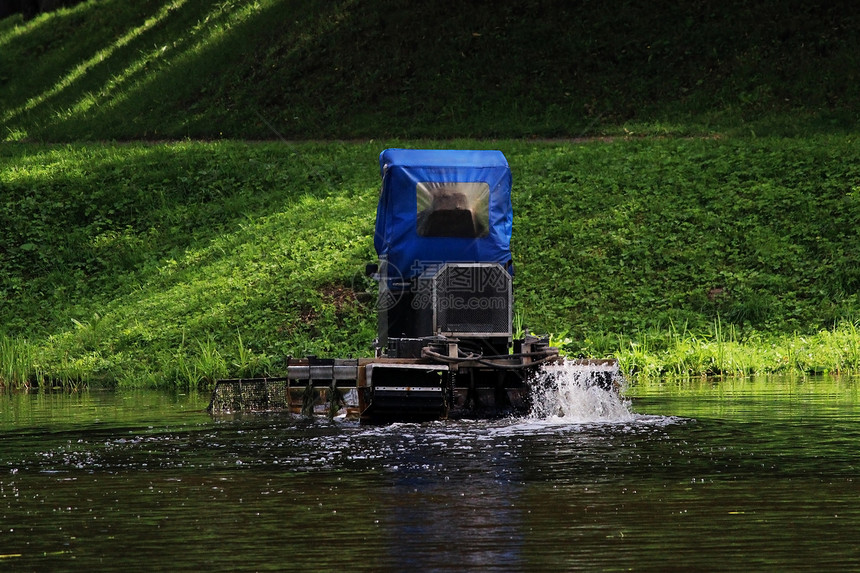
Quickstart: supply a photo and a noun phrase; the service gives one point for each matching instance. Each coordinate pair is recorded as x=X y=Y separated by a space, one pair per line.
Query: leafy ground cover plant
x=175 y=263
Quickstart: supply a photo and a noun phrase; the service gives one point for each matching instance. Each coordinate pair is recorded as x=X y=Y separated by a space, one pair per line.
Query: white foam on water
x=569 y=393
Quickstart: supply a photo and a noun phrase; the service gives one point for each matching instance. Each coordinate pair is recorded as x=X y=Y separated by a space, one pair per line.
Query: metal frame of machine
x=445 y=345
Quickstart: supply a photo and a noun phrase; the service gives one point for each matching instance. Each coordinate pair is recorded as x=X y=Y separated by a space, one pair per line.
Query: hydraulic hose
x=485 y=360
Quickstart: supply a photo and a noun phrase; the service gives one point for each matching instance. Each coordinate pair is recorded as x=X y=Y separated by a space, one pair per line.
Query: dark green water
x=739 y=475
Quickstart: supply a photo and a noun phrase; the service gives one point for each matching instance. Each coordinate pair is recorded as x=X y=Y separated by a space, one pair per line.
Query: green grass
x=177 y=263
x=107 y=69
x=758 y=232
x=17 y=362
x=723 y=351
x=167 y=250
x=712 y=233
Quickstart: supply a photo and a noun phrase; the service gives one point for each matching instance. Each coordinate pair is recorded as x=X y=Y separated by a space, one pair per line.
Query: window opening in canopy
x=453 y=209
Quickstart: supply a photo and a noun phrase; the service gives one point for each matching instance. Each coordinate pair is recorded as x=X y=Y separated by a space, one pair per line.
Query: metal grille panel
x=472 y=299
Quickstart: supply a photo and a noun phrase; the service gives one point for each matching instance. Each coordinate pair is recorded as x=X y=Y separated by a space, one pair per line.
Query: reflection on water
x=697 y=475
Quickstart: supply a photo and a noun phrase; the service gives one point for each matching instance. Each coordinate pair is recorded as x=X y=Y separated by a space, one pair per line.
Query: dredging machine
x=445 y=346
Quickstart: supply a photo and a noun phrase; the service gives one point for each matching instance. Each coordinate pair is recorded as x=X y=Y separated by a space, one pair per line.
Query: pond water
x=730 y=475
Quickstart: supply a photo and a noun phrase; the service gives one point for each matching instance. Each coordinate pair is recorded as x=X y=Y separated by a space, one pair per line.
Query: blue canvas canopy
x=441 y=206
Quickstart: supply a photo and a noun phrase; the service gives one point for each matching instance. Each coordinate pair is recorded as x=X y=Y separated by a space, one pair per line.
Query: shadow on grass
x=117 y=70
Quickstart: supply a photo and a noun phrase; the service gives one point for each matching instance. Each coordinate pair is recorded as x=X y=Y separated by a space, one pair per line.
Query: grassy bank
x=714 y=231
x=158 y=69
x=175 y=263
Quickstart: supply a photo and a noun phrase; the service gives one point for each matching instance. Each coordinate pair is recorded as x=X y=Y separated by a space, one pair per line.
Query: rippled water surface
x=735 y=475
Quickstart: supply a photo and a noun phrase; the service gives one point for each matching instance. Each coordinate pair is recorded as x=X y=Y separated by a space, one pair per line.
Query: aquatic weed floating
x=445 y=345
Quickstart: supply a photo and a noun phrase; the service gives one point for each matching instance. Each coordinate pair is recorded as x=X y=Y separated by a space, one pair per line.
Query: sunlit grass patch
x=723 y=352
x=678 y=257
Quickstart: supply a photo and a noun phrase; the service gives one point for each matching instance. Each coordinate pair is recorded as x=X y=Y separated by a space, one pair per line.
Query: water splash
x=580 y=393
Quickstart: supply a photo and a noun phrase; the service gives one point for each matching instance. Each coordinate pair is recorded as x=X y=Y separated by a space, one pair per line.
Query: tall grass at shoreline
x=670 y=353
x=17 y=363
x=722 y=351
